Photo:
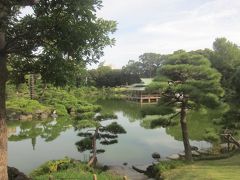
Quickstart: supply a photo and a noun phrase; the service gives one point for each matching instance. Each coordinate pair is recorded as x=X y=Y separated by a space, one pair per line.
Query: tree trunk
x=3 y=127
x=32 y=86
x=93 y=159
x=183 y=120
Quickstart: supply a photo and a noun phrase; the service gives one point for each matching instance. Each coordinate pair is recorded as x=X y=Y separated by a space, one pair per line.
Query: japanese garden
x=65 y=113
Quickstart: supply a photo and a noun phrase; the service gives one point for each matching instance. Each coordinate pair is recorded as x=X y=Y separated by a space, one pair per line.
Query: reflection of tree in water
x=92 y=131
x=131 y=110
x=48 y=130
x=198 y=122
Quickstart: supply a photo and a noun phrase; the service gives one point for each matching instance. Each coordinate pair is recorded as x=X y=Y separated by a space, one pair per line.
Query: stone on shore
x=174 y=157
x=156 y=155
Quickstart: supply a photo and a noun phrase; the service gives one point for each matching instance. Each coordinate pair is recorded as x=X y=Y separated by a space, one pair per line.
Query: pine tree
x=187 y=81
x=92 y=131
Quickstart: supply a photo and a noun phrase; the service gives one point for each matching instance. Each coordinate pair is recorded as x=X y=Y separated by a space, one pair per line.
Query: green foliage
x=211 y=135
x=64 y=101
x=47 y=130
x=84 y=144
x=197 y=121
x=60 y=60
x=61 y=110
x=68 y=168
x=104 y=76
x=156 y=110
x=79 y=172
x=231 y=119
x=86 y=115
x=115 y=128
x=164 y=166
x=154 y=121
x=226 y=59
x=53 y=166
x=106 y=116
x=84 y=108
x=81 y=124
x=195 y=78
x=25 y=105
x=147 y=65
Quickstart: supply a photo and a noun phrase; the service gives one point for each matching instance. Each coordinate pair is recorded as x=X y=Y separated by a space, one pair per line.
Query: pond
x=33 y=143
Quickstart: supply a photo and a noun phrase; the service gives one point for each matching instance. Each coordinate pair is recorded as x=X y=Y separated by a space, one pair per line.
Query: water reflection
x=33 y=143
x=47 y=130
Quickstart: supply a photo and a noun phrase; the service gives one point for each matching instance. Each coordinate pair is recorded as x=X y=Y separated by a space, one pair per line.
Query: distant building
x=137 y=92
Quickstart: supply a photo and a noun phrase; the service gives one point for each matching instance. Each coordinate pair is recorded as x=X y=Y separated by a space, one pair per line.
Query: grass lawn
x=224 y=169
x=76 y=173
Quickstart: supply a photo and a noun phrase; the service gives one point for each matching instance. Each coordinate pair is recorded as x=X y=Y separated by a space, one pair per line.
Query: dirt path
x=127 y=171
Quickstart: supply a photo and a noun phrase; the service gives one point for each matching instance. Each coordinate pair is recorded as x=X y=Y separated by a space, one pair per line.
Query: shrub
x=61 y=110
x=25 y=105
x=211 y=135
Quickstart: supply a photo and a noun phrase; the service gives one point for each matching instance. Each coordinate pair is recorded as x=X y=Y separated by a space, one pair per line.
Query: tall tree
x=150 y=63
x=147 y=65
x=58 y=30
x=226 y=59
x=188 y=79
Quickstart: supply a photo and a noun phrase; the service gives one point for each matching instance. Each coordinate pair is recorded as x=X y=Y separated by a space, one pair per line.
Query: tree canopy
x=57 y=37
x=194 y=76
x=147 y=65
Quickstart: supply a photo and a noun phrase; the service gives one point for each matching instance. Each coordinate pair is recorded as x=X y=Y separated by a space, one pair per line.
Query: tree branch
x=175 y=115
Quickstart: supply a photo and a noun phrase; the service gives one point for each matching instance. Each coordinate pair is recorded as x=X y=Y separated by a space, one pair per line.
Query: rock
x=39 y=111
x=203 y=151
x=125 y=163
x=194 y=148
x=195 y=153
x=25 y=117
x=224 y=145
x=44 y=115
x=141 y=168
x=151 y=171
x=15 y=174
x=173 y=157
x=156 y=155
x=182 y=154
x=13 y=116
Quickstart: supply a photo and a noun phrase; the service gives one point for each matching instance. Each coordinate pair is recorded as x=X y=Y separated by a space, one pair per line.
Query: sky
x=164 y=26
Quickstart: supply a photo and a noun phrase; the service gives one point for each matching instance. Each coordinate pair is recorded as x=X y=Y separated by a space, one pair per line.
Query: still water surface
x=40 y=142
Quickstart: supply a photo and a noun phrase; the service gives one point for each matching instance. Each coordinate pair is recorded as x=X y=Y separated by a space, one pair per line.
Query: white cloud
x=164 y=26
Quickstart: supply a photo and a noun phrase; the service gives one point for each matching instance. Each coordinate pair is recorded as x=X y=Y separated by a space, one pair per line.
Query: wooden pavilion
x=137 y=92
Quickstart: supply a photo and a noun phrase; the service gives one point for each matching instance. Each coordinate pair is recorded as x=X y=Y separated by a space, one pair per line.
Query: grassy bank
x=69 y=169
x=222 y=169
